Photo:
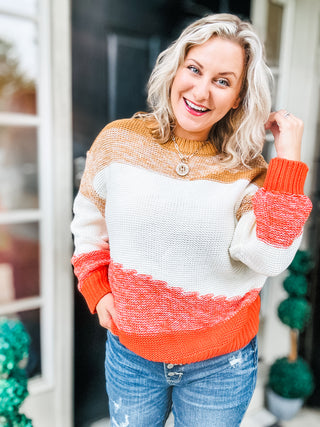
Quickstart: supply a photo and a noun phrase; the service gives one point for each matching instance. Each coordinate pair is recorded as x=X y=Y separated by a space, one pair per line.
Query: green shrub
x=291 y=379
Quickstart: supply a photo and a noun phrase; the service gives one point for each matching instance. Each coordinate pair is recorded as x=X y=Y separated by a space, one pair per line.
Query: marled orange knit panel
x=85 y=263
x=280 y=217
x=147 y=306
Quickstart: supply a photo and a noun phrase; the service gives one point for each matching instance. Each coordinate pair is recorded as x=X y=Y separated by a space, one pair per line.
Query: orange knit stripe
x=87 y=262
x=94 y=287
x=286 y=176
x=148 y=306
x=91 y=270
x=193 y=346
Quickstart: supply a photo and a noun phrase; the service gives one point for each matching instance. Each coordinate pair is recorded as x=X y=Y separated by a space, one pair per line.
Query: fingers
x=287 y=130
x=105 y=320
x=106 y=311
x=283 y=118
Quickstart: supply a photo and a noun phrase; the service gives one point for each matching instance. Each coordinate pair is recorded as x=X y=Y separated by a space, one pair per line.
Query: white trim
x=38 y=385
x=19 y=15
x=20 y=305
x=20 y=216
x=46 y=193
x=15 y=119
x=62 y=209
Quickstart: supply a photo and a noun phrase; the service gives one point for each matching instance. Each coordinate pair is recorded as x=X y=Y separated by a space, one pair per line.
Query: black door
x=115 y=44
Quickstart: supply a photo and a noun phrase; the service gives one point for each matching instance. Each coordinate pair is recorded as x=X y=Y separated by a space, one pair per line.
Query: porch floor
x=260 y=418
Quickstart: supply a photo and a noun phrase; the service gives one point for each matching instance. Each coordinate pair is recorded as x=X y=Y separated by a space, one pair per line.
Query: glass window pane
x=19 y=261
x=274 y=28
x=31 y=321
x=19 y=6
x=18 y=65
x=18 y=168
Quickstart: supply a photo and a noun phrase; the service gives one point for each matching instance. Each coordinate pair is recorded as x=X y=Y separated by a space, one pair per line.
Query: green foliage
x=13 y=391
x=20 y=421
x=302 y=263
x=15 y=334
x=14 y=347
x=7 y=357
x=291 y=379
x=294 y=312
x=296 y=285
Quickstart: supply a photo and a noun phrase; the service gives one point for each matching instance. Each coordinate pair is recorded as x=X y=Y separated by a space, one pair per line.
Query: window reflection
x=274 y=29
x=18 y=69
x=18 y=168
x=19 y=261
x=19 y=6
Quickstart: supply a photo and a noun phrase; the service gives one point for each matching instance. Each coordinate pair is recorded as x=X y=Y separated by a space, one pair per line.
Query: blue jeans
x=215 y=392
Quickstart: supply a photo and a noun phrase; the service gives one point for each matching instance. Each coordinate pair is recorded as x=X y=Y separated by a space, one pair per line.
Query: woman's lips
x=195 y=109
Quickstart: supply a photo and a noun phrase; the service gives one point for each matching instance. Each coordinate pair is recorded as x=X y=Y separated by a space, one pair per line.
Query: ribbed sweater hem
x=181 y=347
x=286 y=176
x=94 y=287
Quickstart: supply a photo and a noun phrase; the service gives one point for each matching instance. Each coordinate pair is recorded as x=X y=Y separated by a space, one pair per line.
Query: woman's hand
x=106 y=311
x=287 y=131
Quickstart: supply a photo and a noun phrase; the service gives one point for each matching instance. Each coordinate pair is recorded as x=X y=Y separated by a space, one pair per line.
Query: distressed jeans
x=212 y=393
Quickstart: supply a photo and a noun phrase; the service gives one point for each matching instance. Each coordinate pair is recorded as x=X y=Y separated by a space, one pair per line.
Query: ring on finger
x=286 y=114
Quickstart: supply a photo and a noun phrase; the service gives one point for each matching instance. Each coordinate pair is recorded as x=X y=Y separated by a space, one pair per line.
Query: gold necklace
x=183 y=168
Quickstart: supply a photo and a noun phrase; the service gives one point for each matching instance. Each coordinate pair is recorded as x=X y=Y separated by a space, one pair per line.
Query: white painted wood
x=62 y=209
x=20 y=305
x=17 y=119
x=50 y=400
x=20 y=216
x=29 y=16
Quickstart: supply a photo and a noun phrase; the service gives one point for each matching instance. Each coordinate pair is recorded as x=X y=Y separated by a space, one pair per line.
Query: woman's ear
x=236 y=104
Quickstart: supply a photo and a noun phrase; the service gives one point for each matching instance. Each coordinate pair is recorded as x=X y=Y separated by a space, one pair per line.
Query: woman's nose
x=201 y=90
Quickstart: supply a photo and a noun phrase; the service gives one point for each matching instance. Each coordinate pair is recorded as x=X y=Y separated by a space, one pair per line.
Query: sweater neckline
x=189 y=146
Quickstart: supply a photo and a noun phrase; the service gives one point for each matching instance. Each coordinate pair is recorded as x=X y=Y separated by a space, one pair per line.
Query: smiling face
x=206 y=86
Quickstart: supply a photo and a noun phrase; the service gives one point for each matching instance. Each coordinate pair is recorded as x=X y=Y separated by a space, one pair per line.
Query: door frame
x=50 y=401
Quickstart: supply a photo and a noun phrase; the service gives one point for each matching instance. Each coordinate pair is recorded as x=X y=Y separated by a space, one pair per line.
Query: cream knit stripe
x=184 y=232
x=88 y=227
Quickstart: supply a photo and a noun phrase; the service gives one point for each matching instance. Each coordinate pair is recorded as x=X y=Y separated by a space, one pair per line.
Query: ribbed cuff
x=94 y=287
x=286 y=176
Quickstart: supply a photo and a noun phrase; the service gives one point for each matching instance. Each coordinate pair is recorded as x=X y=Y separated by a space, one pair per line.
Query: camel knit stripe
x=184 y=257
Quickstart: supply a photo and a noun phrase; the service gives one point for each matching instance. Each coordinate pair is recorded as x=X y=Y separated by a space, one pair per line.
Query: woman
x=177 y=224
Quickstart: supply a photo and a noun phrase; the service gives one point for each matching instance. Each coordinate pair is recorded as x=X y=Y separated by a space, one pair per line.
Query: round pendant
x=182 y=169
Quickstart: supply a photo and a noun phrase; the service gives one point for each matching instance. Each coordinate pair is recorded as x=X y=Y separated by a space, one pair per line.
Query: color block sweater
x=184 y=257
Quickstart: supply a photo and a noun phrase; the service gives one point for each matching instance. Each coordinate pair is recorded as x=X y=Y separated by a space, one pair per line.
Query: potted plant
x=290 y=378
x=14 y=347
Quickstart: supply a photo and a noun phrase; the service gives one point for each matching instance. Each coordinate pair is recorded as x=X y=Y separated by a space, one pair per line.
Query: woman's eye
x=193 y=69
x=223 y=82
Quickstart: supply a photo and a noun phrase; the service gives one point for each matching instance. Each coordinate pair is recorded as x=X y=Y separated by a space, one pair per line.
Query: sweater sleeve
x=92 y=256
x=268 y=234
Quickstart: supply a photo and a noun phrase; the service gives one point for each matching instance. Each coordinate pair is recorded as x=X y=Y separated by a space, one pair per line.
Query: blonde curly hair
x=239 y=135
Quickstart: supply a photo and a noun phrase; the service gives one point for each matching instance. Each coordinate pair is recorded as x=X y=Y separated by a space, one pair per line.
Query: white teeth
x=195 y=107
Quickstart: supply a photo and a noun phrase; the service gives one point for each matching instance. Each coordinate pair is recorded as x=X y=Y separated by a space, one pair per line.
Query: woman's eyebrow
x=226 y=73
x=223 y=73
x=194 y=60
